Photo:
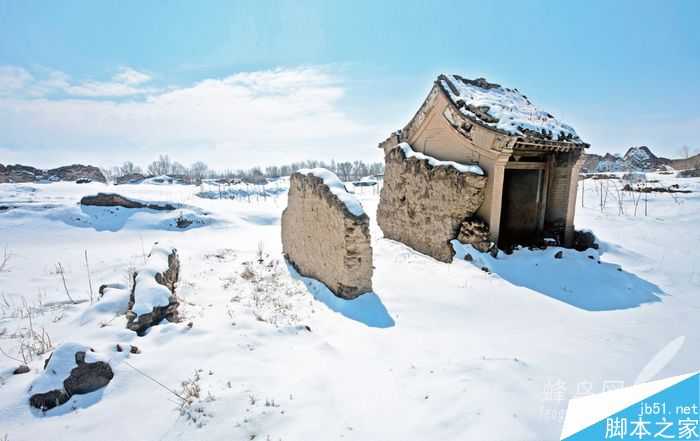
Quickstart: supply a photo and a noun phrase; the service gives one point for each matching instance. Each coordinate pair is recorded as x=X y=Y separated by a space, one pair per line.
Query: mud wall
x=324 y=240
x=423 y=206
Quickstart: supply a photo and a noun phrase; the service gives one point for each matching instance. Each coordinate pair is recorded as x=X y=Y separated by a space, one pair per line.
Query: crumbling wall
x=423 y=205
x=323 y=238
x=473 y=231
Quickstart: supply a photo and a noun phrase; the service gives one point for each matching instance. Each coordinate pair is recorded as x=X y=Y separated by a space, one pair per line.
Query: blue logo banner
x=662 y=410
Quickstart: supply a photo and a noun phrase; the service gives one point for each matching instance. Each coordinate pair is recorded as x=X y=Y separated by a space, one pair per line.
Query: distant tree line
x=197 y=171
x=345 y=170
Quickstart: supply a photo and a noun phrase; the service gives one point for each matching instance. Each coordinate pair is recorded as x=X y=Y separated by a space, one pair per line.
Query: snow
x=148 y=293
x=60 y=365
x=438 y=351
x=583 y=280
x=637 y=154
x=160 y=180
x=337 y=187
x=640 y=158
x=114 y=301
x=513 y=110
x=49 y=201
x=464 y=168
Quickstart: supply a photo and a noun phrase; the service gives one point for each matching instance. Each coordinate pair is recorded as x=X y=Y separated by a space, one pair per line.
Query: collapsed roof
x=505 y=110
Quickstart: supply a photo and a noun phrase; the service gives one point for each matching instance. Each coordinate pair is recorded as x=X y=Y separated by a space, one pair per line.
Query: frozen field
x=439 y=352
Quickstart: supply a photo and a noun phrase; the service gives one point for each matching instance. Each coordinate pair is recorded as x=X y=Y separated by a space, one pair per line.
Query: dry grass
x=31 y=340
x=192 y=406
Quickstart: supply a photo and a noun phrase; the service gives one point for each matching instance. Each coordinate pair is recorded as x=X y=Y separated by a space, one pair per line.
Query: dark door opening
x=520 y=209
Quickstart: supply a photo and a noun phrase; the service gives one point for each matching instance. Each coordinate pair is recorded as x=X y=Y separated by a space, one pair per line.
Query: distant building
x=531 y=159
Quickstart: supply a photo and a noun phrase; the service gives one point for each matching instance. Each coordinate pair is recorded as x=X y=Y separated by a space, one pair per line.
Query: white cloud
x=264 y=117
x=13 y=79
x=131 y=76
x=16 y=81
x=103 y=89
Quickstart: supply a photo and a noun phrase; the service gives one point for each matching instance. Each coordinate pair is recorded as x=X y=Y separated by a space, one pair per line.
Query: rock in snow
x=71 y=369
x=25 y=173
x=153 y=296
x=21 y=369
x=116 y=200
x=474 y=231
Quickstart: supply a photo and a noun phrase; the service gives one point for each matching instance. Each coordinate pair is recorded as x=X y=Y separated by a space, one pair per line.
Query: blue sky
x=244 y=83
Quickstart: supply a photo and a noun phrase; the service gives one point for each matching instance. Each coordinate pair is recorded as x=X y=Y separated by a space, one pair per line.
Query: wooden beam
x=529 y=165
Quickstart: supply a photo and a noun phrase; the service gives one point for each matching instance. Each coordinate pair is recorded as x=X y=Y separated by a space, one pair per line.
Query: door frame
x=542 y=189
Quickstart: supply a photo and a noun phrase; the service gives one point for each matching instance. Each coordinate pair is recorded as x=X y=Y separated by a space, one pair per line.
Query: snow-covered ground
x=439 y=351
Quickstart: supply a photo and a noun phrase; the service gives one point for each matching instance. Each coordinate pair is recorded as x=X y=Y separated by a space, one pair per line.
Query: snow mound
x=148 y=293
x=114 y=301
x=60 y=365
x=502 y=108
x=162 y=180
x=337 y=187
x=464 y=168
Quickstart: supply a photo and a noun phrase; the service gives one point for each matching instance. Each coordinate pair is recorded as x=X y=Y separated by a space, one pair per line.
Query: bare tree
x=128 y=168
x=376 y=168
x=198 y=170
x=161 y=166
x=359 y=169
x=178 y=169
x=345 y=170
x=272 y=171
x=109 y=173
x=685 y=152
x=285 y=170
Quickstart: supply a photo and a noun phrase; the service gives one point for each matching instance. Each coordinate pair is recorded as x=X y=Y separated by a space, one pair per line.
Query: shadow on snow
x=367 y=308
x=115 y=218
x=580 y=279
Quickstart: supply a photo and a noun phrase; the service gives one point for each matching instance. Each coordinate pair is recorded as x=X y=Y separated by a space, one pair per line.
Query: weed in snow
x=4 y=260
x=60 y=271
x=270 y=292
x=31 y=340
x=192 y=405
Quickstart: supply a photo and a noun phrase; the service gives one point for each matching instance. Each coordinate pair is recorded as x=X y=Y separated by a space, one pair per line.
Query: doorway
x=521 y=208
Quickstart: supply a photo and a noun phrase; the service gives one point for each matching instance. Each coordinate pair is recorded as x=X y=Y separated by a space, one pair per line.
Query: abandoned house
x=531 y=159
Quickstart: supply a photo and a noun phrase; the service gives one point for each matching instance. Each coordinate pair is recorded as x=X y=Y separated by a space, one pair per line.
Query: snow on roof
x=60 y=365
x=337 y=188
x=464 y=168
x=148 y=293
x=504 y=109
